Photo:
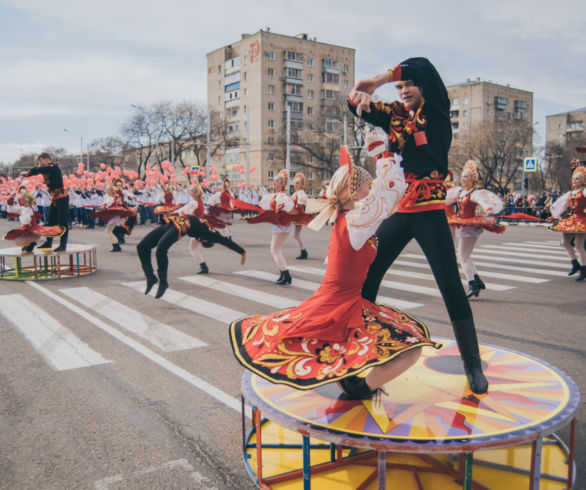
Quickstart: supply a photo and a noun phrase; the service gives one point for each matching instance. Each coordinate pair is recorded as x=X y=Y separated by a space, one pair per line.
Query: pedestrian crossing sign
x=530 y=164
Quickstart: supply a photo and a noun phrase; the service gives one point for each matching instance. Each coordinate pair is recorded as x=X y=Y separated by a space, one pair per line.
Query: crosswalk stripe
x=516 y=260
x=199 y=306
x=204 y=386
x=166 y=338
x=497 y=250
x=409 y=287
x=534 y=246
x=508 y=267
x=247 y=293
x=550 y=243
x=60 y=348
x=312 y=286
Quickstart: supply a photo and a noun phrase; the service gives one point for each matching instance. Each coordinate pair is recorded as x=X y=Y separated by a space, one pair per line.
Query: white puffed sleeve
x=215 y=199
x=108 y=201
x=188 y=209
x=452 y=195
x=285 y=200
x=386 y=191
x=265 y=202
x=560 y=205
x=487 y=200
x=26 y=216
x=301 y=198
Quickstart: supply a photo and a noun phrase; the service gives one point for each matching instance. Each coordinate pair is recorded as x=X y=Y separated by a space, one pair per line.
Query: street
x=133 y=392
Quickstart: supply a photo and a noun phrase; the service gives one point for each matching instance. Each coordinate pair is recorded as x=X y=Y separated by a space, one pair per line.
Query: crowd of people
x=412 y=197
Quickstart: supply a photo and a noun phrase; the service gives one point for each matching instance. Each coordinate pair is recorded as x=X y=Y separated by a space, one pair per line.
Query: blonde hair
x=197 y=190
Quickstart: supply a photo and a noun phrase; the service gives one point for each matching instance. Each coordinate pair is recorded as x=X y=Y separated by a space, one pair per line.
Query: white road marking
x=247 y=293
x=166 y=338
x=60 y=348
x=556 y=249
x=312 y=286
x=497 y=250
x=199 y=306
x=193 y=380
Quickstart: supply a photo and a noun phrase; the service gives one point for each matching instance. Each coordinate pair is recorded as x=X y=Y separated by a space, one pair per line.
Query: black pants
x=59 y=215
x=432 y=232
x=162 y=237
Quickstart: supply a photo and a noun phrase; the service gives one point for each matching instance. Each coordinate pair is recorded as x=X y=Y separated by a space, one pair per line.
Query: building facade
x=250 y=84
x=566 y=127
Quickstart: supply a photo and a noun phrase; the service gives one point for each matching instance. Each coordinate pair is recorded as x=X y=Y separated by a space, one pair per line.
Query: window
x=292 y=56
x=271 y=140
x=309 y=61
x=271 y=174
x=455 y=102
x=329 y=94
x=331 y=126
x=271 y=106
x=271 y=123
x=293 y=89
x=219 y=83
x=295 y=106
x=329 y=63
x=271 y=72
x=292 y=174
x=271 y=89
x=293 y=73
x=271 y=157
x=309 y=158
x=245 y=59
x=219 y=68
x=219 y=100
x=464 y=113
x=330 y=78
x=245 y=92
x=310 y=111
x=270 y=55
x=346 y=84
x=310 y=175
x=466 y=101
x=310 y=78
x=560 y=126
x=346 y=69
x=310 y=94
x=245 y=75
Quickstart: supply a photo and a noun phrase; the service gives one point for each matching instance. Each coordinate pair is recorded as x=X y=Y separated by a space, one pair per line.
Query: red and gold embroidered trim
x=423 y=194
x=182 y=224
x=58 y=194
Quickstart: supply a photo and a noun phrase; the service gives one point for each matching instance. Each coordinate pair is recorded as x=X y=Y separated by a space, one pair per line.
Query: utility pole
x=288 y=155
x=247 y=147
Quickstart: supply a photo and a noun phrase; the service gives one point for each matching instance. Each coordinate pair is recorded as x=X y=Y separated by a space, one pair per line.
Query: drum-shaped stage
x=428 y=432
x=77 y=260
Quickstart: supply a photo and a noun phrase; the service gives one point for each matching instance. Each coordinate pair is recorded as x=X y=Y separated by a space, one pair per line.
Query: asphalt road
x=141 y=409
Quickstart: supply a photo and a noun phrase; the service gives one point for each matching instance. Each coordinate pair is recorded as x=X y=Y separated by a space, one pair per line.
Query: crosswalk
x=504 y=267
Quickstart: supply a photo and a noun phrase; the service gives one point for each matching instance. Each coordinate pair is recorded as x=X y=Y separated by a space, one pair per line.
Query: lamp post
x=80 y=147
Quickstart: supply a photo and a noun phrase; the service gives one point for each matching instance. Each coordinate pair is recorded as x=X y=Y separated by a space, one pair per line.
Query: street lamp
x=80 y=147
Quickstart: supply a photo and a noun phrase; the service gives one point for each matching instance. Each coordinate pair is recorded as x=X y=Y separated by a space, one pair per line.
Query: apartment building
x=476 y=101
x=251 y=83
x=566 y=127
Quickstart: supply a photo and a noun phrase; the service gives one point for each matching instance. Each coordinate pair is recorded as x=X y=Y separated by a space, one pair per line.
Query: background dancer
x=276 y=207
x=59 y=208
x=573 y=227
x=113 y=213
x=165 y=235
x=299 y=200
x=469 y=225
x=324 y=338
x=419 y=127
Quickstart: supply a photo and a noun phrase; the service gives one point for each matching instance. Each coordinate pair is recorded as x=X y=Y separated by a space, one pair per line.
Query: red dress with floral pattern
x=334 y=334
x=576 y=221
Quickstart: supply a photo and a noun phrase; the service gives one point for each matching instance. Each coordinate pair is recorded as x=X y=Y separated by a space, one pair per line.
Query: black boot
x=203 y=268
x=582 y=275
x=280 y=278
x=356 y=388
x=29 y=248
x=479 y=281
x=473 y=288
x=465 y=333
x=285 y=277
x=47 y=244
x=163 y=284
x=118 y=232
x=116 y=248
x=575 y=267
x=151 y=280
x=302 y=255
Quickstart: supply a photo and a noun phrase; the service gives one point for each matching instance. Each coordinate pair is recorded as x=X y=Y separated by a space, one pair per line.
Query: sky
x=80 y=65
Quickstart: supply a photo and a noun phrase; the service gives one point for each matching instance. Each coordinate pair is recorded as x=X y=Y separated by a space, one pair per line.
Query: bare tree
x=558 y=157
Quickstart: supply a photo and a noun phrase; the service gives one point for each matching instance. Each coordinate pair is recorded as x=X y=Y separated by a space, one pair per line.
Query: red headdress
x=283 y=176
x=301 y=178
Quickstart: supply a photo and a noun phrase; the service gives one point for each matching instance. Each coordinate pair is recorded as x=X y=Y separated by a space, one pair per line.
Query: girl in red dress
x=470 y=225
x=300 y=200
x=336 y=334
x=573 y=226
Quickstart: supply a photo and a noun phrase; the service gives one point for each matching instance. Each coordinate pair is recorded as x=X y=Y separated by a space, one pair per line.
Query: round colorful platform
x=45 y=264
x=430 y=430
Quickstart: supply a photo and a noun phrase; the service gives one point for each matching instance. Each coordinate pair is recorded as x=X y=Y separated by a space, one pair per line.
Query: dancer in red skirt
x=469 y=224
x=300 y=200
x=30 y=231
x=574 y=225
x=336 y=334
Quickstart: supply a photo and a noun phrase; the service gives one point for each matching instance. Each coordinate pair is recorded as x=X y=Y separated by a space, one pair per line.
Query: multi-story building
x=565 y=127
x=475 y=102
x=250 y=85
